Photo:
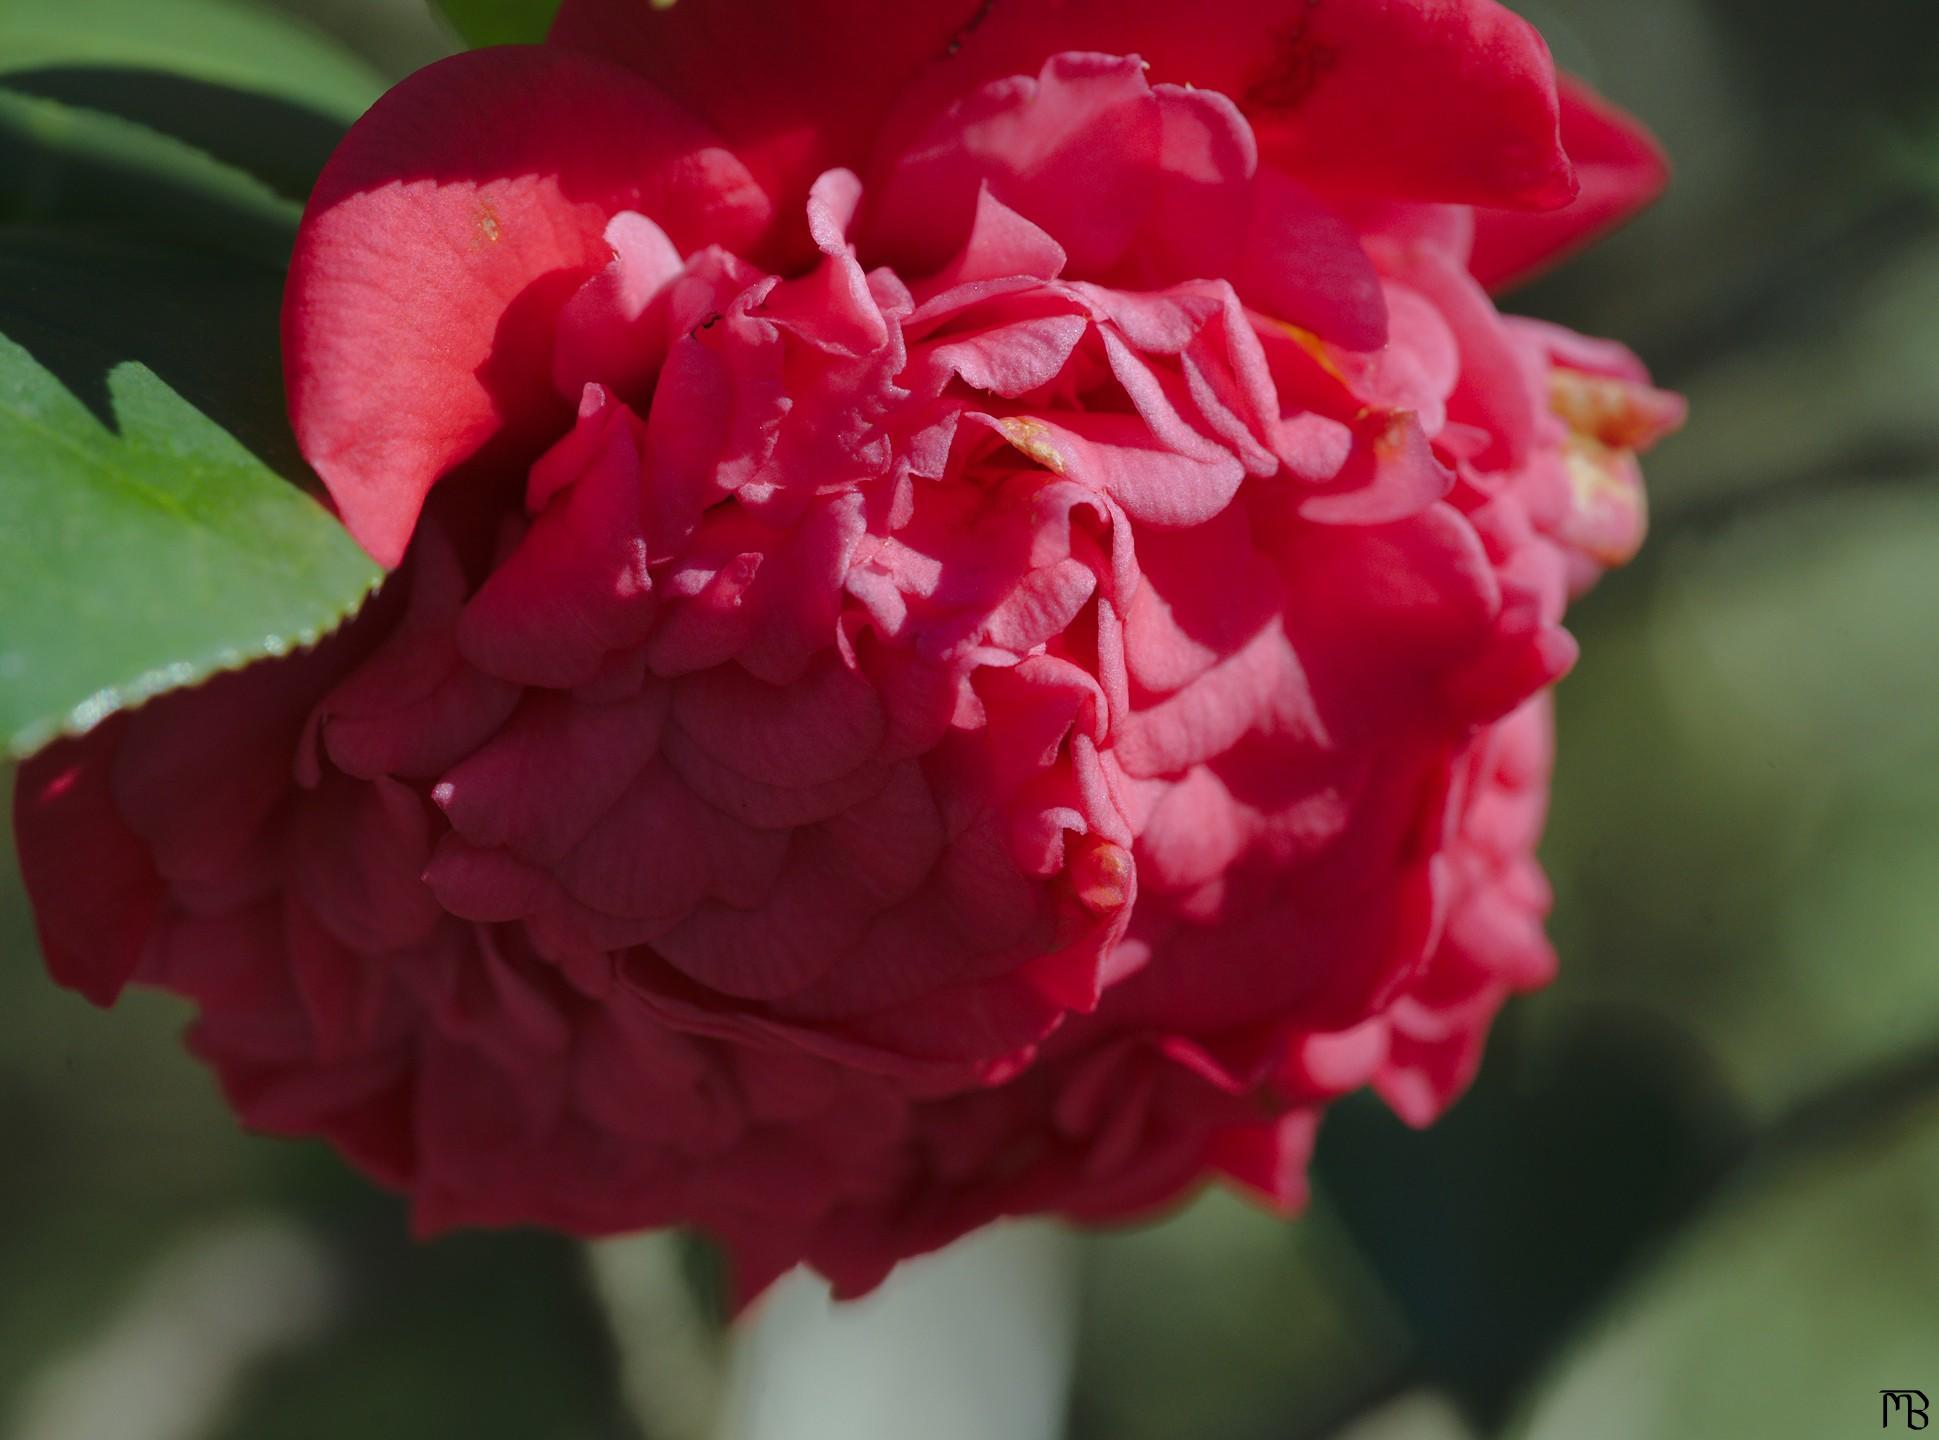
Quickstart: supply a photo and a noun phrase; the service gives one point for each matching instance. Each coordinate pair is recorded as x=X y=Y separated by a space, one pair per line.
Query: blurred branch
x=171 y=1362
x=1809 y=271
x=1884 y=466
x=1851 y=1115
x=1853 y=1111
x=1413 y=1415
x=1343 y=1421
x=974 y=1342
x=670 y=1360
x=397 y=36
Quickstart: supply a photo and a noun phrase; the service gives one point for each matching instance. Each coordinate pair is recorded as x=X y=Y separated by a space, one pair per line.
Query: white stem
x=971 y=1343
x=669 y=1357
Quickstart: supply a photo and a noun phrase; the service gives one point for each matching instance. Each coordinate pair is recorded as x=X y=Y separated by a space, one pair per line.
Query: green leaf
x=69 y=165
x=504 y=22
x=281 y=146
x=241 y=47
x=154 y=527
x=1783 y=1315
x=1496 y=1229
x=1159 y=1354
x=247 y=87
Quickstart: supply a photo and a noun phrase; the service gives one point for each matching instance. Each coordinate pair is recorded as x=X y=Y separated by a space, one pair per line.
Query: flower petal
x=797 y=88
x=1621 y=169
x=434 y=258
x=1419 y=99
x=95 y=917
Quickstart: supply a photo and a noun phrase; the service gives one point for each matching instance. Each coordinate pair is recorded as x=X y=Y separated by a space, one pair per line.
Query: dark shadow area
x=282 y=144
x=75 y=167
x=1883 y=54
x=1497 y=1230
x=496 y=1333
x=82 y=302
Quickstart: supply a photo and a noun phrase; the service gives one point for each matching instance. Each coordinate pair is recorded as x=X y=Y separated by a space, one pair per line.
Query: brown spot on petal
x=1032 y=437
x=1101 y=875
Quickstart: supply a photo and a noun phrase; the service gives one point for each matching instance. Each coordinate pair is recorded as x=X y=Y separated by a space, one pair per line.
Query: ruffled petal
x=796 y=89
x=434 y=258
x=94 y=918
x=1449 y=100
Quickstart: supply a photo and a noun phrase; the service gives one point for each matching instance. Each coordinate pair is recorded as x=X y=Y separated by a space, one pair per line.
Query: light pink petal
x=1262 y=689
x=1500 y=390
x=1009 y=358
x=1074 y=149
x=434 y=258
x=1002 y=244
x=1390 y=474
x=611 y=332
x=832 y=307
x=1303 y=264
x=1207 y=592
x=1117 y=456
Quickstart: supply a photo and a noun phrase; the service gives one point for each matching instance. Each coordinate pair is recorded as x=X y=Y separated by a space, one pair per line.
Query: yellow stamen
x=1312 y=345
x=1618 y=413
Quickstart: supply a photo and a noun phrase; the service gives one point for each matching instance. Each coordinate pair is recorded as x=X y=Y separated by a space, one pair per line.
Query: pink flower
x=973 y=630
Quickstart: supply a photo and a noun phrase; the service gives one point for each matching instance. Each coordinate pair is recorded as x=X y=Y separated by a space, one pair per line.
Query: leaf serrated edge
x=161 y=680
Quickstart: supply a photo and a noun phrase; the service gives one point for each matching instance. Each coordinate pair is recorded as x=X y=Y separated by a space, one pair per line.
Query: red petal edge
x=450 y=225
x=1435 y=100
x=1621 y=168
x=93 y=887
x=796 y=88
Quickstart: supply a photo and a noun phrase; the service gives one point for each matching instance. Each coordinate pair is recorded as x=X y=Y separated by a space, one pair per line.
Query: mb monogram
x=1911 y=1403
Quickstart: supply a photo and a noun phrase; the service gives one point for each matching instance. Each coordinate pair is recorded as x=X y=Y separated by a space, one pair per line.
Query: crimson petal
x=434 y=258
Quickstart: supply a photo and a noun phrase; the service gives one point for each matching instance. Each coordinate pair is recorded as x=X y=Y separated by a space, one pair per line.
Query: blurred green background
x=1696 y=1190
